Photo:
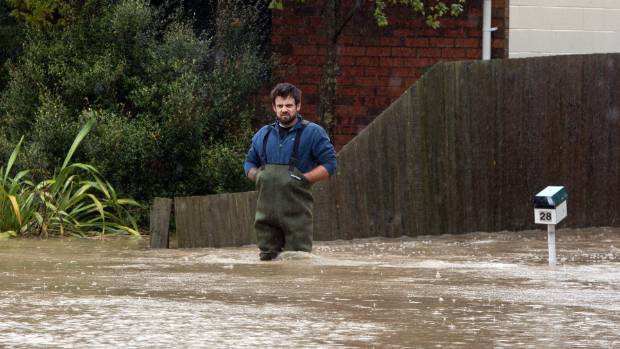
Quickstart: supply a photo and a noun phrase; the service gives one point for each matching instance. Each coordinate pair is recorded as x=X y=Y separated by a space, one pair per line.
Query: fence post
x=160 y=222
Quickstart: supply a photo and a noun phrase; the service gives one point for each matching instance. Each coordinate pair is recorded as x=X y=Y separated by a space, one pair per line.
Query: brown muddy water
x=482 y=290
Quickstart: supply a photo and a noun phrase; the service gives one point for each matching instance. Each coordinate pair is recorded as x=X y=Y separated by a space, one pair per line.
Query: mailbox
x=550 y=205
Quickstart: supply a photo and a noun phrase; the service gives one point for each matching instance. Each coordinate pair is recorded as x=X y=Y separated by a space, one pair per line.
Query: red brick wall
x=376 y=64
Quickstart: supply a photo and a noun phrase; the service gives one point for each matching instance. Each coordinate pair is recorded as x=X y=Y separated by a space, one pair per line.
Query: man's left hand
x=317 y=174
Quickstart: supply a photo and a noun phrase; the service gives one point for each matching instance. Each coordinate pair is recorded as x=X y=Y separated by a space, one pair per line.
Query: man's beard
x=286 y=120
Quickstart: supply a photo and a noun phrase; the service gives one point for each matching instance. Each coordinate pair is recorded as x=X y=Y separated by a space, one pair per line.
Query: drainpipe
x=486 y=30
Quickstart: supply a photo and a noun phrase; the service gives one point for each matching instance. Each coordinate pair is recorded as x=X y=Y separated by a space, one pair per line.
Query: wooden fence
x=464 y=149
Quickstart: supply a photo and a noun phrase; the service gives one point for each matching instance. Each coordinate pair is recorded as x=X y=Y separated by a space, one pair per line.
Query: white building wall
x=552 y=27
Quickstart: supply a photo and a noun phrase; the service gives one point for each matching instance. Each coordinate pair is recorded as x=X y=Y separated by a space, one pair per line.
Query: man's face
x=286 y=110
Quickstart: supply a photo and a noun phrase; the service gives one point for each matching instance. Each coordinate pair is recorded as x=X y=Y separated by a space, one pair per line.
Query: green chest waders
x=283 y=219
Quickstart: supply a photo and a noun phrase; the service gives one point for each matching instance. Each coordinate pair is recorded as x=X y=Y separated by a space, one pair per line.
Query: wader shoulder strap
x=293 y=162
x=263 y=154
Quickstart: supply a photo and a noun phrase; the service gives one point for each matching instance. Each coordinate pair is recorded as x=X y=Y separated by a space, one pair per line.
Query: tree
x=337 y=17
x=40 y=12
x=11 y=33
x=174 y=106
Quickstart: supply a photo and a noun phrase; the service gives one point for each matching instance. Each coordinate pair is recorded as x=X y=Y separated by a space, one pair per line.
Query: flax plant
x=76 y=201
x=16 y=199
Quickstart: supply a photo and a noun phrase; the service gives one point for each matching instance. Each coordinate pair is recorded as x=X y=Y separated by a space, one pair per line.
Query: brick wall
x=376 y=64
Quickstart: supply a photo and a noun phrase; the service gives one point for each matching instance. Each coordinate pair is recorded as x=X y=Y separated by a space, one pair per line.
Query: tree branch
x=347 y=18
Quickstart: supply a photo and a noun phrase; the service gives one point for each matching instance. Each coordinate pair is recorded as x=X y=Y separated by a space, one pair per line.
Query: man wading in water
x=284 y=159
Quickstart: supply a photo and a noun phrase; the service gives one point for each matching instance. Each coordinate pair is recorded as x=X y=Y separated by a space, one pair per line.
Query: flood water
x=482 y=290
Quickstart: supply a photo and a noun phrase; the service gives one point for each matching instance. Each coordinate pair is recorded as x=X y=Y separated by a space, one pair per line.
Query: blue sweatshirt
x=314 y=148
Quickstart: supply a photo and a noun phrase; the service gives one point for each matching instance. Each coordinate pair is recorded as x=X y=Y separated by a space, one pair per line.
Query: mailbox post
x=550 y=209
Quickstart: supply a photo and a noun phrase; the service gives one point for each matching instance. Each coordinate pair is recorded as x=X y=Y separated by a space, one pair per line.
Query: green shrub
x=174 y=108
x=11 y=34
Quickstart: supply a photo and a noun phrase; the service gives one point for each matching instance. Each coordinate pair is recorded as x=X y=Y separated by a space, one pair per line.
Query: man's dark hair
x=284 y=90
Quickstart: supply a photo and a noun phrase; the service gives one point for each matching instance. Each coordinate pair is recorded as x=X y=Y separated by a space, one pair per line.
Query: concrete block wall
x=552 y=27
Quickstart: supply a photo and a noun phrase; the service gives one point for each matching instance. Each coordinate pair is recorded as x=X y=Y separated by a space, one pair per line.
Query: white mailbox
x=550 y=209
x=550 y=205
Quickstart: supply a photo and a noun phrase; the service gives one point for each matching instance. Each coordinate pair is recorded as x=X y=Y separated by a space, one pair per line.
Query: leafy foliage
x=11 y=33
x=432 y=11
x=39 y=12
x=173 y=107
x=76 y=201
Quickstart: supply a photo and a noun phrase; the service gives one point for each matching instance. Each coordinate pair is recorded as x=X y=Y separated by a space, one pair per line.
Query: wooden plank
x=449 y=169
x=581 y=149
x=433 y=129
x=227 y=227
x=160 y=222
x=482 y=129
x=193 y=226
x=464 y=148
x=499 y=188
x=536 y=128
x=511 y=163
x=373 y=150
x=180 y=217
x=392 y=173
x=398 y=154
x=418 y=151
x=350 y=207
x=494 y=119
x=597 y=105
x=613 y=116
x=568 y=90
x=238 y=238
x=409 y=216
x=206 y=221
x=216 y=212
x=239 y=211
x=366 y=170
x=251 y=210
x=323 y=207
x=339 y=193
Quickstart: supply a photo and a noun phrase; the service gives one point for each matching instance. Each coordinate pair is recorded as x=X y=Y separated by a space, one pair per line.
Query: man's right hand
x=252 y=174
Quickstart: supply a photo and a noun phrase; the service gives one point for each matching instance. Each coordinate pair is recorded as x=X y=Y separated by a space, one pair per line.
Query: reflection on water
x=484 y=290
